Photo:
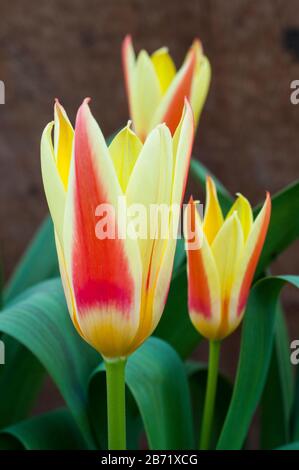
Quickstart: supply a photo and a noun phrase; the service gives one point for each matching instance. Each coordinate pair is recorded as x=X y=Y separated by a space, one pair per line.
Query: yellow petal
x=201 y=81
x=164 y=67
x=213 y=218
x=153 y=167
x=146 y=94
x=124 y=150
x=248 y=261
x=63 y=142
x=182 y=147
x=227 y=248
x=204 y=291
x=54 y=189
x=243 y=209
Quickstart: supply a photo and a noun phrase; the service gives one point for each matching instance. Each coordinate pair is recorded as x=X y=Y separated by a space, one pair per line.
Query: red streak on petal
x=174 y=111
x=245 y=288
x=198 y=287
x=100 y=269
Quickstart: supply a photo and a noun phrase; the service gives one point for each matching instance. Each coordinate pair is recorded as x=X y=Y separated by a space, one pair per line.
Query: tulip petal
x=105 y=274
x=213 y=218
x=201 y=81
x=204 y=291
x=227 y=248
x=128 y=60
x=164 y=66
x=146 y=90
x=249 y=260
x=53 y=185
x=154 y=165
x=172 y=105
x=244 y=211
x=67 y=286
x=124 y=150
x=63 y=142
x=182 y=148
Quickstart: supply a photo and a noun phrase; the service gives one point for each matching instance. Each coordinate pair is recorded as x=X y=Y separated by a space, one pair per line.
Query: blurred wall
x=71 y=49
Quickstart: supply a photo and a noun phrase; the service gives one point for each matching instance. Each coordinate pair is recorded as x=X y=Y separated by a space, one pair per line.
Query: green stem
x=116 y=404
x=205 y=435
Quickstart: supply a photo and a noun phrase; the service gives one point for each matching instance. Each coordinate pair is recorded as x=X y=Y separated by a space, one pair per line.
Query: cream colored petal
x=124 y=150
x=243 y=209
x=53 y=185
x=200 y=85
x=146 y=94
x=151 y=184
x=182 y=147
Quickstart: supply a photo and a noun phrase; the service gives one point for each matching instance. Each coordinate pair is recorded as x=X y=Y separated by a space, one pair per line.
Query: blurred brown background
x=248 y=135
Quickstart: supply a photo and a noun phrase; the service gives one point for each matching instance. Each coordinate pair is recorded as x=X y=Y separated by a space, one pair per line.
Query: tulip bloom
x=115 y=288
x=221 y=269
x=156 y=90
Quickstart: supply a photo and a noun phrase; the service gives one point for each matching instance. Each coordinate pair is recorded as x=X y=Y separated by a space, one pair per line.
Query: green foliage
x=256 y=346
x=41 y=323
x=164 y=395
x=53 y=430
x=157 y=381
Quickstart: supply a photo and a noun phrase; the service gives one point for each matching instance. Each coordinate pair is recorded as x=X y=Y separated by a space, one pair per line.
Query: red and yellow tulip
x=223 y=263
x=115 y=288
x=156 y=90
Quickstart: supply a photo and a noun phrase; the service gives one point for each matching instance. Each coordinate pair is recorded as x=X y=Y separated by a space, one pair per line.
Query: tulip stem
x=116 y=404
x=205 y=435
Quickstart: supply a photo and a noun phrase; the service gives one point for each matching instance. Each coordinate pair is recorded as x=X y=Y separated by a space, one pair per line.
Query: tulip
x=156 y=90
x=116 y=288
x=222 y=256
x=221 y=270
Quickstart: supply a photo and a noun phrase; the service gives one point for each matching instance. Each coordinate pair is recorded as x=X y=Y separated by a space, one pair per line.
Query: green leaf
x=180 y=255
x=157 y=380
x=22 y=371
x=1 y=285
x=291 y=446
x=278 y=394
x=256 y=347
x=284 y=224
x=295 y=410
x=175 y=326
x=200 y=172
x=37 y=264
x=41 y=323
x=55 y=430
x=198 y=374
